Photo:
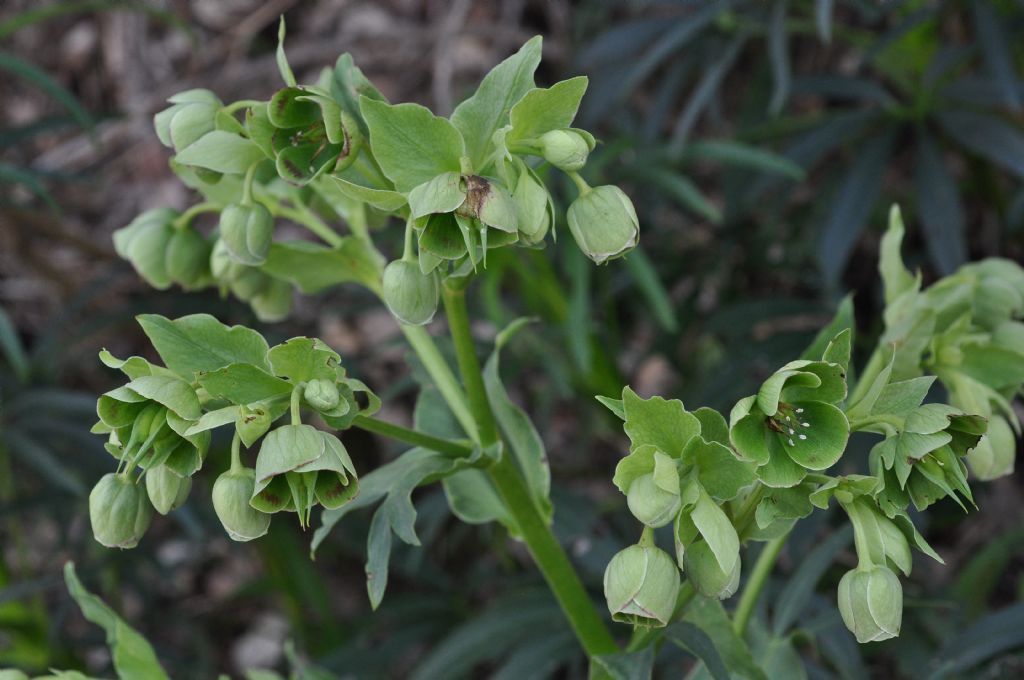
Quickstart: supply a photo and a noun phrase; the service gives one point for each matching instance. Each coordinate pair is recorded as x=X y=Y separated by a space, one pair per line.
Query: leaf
x=221 y=151
x=171 y=391
x=738 y=154
x=39 y=457
x=544 y=109
x=133 y=657
x=382 y=199
x=519 y=432
x=244 y=384
x=778 y=57
x=682 y=190
x=709 y=615
x=662 y=423
x=998 y=632
x=480 y=116
x=800 y=588
x=282 y=61
x=942 y=213
x=302 y=359
x=313 y=268
x=900 y=398
x=987 y=135
x=410 y=143
x=13 y=350
x=613 y=405
x=42 y=80
x=199 y=343
x=647 y=280
x=212 y=420
x=852 y=205
x=823 y=19
x=714 y=525
x=705 y=91
x=378 y=556
x=627 y=665
x=696 y=642
x=843 y=320
x=441 y=194
x=995 y=48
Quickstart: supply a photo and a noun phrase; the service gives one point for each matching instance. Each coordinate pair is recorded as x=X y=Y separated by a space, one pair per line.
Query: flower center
x=790 y=423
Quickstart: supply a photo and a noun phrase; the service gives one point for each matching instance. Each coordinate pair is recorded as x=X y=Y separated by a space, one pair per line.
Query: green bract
x=792 y=424
x=119 y=511
x=604 y=223
x=641 y=584
x=871 y=603
x=231 y=494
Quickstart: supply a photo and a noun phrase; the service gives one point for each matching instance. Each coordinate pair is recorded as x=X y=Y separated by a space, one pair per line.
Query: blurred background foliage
x=762 y=143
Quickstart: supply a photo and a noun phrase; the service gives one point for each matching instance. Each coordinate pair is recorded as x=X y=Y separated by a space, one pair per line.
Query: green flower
x=567 y=150
x=297 y=467
x=535 y=211
x=167 y=490
x=191 y=115
x=871 y=603
x=921 y=462
x=641 y=584
x=231 y=494
x=311 y=134
x=705 y=572
x=118 y=511
x=247 y=230
x=604 y=223
x=650 y=480
x=792 y=424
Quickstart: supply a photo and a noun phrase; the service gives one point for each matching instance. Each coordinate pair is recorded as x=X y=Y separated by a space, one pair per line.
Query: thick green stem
x=756 y=582
x=551 y=559
x=404 y=434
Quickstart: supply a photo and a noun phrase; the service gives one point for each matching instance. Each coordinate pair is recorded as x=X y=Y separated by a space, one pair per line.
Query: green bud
x=144 y=243
x=707 y=576
x=410 y=294
x=247 y=232
x=641 y=584
x=321 y=394
x=221 y=263
x=188 y=258
x=652 y=504
x=191 y=115
x=119 y=511
x=534 y=211
x=274 y=302
x=247 y=282
x=252 y=423
x=231 y=494
x=567 y=150
x=871 y=603
x=994 y=455
x=604 y=223
x=167 y=490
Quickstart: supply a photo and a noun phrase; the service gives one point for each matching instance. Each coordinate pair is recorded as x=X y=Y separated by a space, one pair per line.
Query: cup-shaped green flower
x=871 y=603
x=247 y=231
x=411 y=295
x=994 y=455
x=567 y=150
x=231 y=494
x=702 y=568
x=191 y=115
x=167 y=489
x=604 y=223
x=641 y=584
x=792 y=424
x=118 y=511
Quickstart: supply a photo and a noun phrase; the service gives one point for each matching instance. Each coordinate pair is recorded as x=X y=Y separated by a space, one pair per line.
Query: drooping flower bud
x=567 y=150
x=247 y=232
x=274 y=302
x=231 y=494
x=167 y=489
x=994 y=455
x=652 y=503
x=604 y=223
x=191 y=115
x=534 y=210
x=871 y=603
x=641 y=584
x=252 y=423
x=188 y=258
x=321 y=394
x=144 y=243
x=118 y=511
x=707 y=576
x=410 y=294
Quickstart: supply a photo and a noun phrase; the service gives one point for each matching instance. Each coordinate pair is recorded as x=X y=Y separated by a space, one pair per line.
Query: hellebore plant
x=337 y=152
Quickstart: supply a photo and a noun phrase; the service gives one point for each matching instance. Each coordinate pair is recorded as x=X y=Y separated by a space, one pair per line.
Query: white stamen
x=805 y=424
x=792 y=431
x=791 y=442
x=803 y=436
x=787 y=418
x=799 y=410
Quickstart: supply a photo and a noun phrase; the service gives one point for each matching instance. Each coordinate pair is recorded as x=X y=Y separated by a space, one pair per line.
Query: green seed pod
x=247 y=232
x=534 y=210
x=565 y=149
x=604 y=223
x=321 y=394
x=871 y=603
x=167 y=490
x=119 y=511
x=274 y=302
x=188 y=258
x=231 y=494
x=641 y=584
x=707 y=576
x=410 y=294
x=252 y=423
x=994 y=455
x=652 y=504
